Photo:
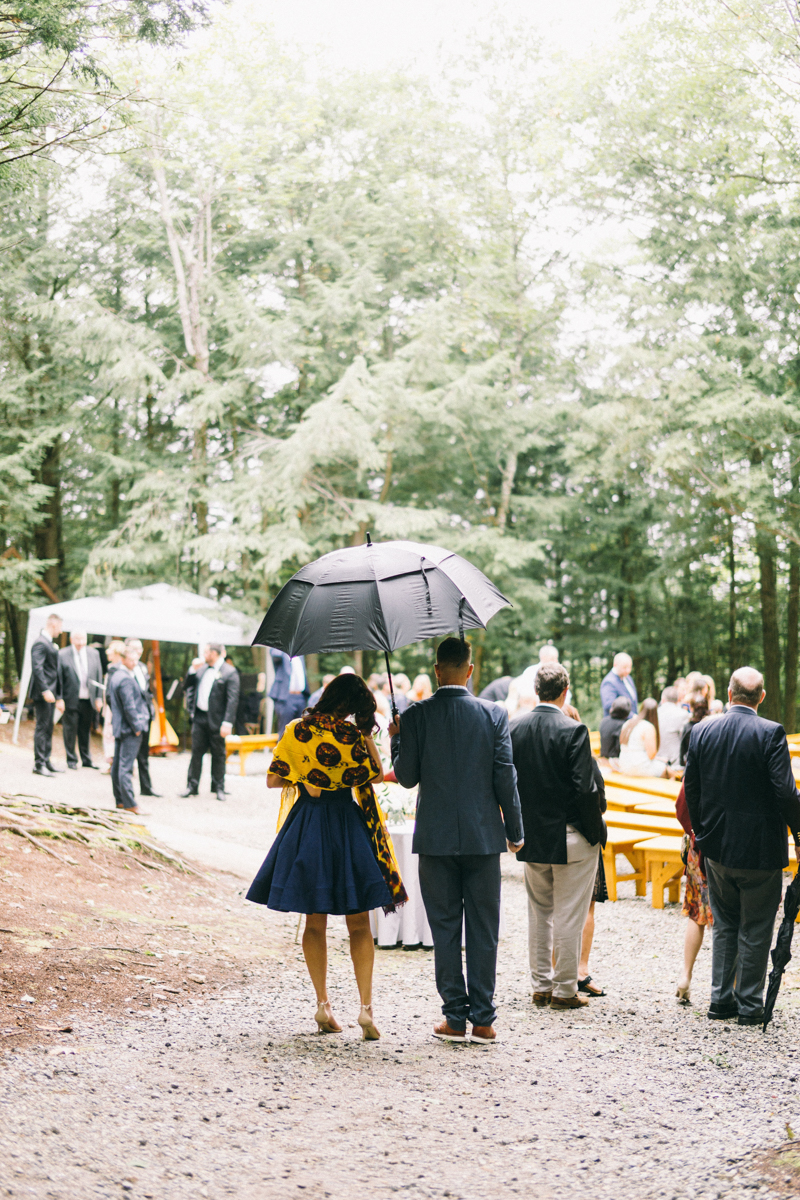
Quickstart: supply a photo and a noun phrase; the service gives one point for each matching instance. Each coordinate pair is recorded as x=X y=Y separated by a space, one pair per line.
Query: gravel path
x=633 y=1098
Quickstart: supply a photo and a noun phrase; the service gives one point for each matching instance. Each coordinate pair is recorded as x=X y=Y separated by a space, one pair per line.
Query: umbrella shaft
x=391 y=685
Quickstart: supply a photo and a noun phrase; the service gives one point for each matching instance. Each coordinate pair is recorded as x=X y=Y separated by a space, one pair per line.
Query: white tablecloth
x=409 y=925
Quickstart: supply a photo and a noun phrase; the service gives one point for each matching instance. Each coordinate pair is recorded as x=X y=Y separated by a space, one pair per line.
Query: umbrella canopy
x=378 y=597
x=782 y=953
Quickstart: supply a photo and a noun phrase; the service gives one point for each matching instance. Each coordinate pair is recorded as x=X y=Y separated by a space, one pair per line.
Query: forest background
x=542 y=310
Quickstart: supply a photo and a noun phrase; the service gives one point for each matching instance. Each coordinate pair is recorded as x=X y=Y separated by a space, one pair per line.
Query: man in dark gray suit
x=130 y=716
x=741 y=795
x=212 y=697
x=81 y=676
x=458 y=749
x=45 y=694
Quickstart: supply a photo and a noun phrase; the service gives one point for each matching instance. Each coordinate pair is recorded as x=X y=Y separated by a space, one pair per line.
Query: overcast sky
x=369 y=34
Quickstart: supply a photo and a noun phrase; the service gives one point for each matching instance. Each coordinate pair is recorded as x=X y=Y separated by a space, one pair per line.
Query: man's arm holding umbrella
x=405 y=748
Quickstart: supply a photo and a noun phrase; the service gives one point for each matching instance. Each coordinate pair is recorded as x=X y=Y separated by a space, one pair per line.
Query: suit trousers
x=205 y=741
x=125 y=750
x=143 y=763
x=43 y=734
x=559 y=896
x=463 y=891
x=77 y=721
x=744 y=904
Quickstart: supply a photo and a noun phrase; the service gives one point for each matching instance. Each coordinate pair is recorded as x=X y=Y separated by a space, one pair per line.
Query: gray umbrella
x=378 y=597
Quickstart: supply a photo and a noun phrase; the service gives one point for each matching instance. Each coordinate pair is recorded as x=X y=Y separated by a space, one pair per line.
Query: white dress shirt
x=82 y=671
x=297 y=678
x=209 y=678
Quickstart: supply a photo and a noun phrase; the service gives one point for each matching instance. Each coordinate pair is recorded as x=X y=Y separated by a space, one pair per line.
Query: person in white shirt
x=672 y=718
x=212 y=697
x=81 y=683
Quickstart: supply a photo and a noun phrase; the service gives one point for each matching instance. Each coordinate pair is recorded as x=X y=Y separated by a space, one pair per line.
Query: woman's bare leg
x=315 y=952
x=691 y=948
x=586 y=943
x=362 y=952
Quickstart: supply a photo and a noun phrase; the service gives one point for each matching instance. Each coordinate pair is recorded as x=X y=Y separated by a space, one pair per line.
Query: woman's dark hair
x=348 y=696
x=698 y=702
x=647 y=712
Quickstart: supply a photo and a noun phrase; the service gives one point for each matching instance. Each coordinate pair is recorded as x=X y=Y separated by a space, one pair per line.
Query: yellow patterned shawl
x=328 y=753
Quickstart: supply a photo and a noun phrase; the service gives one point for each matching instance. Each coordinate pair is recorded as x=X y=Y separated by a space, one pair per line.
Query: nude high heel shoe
x=369 y=1030
x=325 y=1019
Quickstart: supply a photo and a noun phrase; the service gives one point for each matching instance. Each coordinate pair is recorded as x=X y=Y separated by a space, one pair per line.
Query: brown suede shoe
x=483 y=1033
x=542 y=999
x=571 y=1002
x=447 y=1034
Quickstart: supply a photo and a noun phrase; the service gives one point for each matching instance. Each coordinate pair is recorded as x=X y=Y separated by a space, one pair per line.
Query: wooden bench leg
x=610 y=864
x=242 y=760
x=664 y=875
x=674 y=888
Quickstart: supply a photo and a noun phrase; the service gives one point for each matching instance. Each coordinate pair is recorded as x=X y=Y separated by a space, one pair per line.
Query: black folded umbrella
x=782 y=953
x=379 y=596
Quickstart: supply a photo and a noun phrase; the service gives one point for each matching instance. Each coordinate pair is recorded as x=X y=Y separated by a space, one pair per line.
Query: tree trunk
x=770 y=633
x=48 y=537
x=790 y=661
x=732 y=652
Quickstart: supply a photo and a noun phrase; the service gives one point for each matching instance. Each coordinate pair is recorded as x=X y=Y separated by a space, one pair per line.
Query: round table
x=408 y=927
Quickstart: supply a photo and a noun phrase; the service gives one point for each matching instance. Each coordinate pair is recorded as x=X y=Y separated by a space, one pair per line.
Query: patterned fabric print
x=696 y=904
x=338 y=746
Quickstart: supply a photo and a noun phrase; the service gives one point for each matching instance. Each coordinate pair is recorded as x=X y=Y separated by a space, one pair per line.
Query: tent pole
x=391 y=686
x=24 y=682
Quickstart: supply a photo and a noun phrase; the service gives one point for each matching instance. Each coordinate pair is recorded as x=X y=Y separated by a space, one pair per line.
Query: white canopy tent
x=158 y=612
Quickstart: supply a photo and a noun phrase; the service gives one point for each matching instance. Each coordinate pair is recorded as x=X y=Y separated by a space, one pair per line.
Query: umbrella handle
x=395 y=713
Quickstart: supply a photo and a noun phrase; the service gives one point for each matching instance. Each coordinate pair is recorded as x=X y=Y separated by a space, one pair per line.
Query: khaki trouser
x=559 y=896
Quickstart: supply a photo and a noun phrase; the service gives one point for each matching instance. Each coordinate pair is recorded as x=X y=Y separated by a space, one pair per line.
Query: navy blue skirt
x=322 y=860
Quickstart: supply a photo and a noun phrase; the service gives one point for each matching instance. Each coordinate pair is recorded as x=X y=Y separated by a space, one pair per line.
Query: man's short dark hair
x=453 y=654
x=551 y=680
x=217 y=647
x=620 y=708
x=744 y=695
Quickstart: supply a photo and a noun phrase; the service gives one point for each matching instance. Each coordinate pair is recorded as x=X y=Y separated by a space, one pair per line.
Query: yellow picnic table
x=625 y=842
x=246 y=743
x=649 y=823
x=594 y=741
x=658 y=808
x=624 y=800
x=663 y=866
x=666 y=788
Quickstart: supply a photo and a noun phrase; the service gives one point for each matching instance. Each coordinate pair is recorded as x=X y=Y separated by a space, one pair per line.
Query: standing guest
x=289 y=688
x=561 y=812
x=497 y=690
x=313 y=699
x=45 y=694
x=680 y=688
x=212 y=697
x=618 y=682
x=696 y=905
x=741 y=795
x=695 y=682
x=600 y=893
x=81 y=677
x=331 y=855
x=638 y=743
x=130 y=717
x=114 y=653
x=698 y=711
x=421 y=689
x=142 y=677
x=672 y=718
x=611 y=725
x=457 y=749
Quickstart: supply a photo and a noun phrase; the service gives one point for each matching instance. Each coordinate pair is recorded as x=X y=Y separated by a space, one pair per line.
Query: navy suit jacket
x=458 y=749
x=44 y=668
x=741 y=791
x=130 y=712
x=611 y=687
x=279 y=692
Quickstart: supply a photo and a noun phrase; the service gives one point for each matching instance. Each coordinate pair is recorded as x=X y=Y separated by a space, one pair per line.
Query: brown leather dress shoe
x=568 y=1002
x=483 y=1033
x=542 y=999
x=447 y=1034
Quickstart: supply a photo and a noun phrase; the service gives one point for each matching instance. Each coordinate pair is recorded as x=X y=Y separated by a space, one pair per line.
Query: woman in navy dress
x=322 y=860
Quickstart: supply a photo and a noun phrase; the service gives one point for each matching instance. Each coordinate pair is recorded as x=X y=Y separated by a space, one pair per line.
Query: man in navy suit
x=458 y=749
x=130 y=716
x=741 y=795
x=619 y=682
x=289 y=688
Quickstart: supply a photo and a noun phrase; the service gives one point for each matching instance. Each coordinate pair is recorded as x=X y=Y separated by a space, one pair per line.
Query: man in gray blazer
x=458 y=749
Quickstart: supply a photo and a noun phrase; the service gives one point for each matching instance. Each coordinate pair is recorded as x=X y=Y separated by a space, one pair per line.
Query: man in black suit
x=46 y=694
x=130 y=717
x=561 y=811
x=741 y=795
x=81 y=677
x=212 y=697
x=457 y=749
x=140 y=674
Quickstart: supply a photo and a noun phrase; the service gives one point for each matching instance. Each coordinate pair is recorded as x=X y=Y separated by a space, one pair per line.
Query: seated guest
x=671 y=721
x=611 y=725
x=698 y=710
x=563 y=830
x=638 y=743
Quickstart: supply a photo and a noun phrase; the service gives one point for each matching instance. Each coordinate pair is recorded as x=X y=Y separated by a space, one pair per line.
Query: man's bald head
x=623 y=664
x=746 y=687
x=548 y=654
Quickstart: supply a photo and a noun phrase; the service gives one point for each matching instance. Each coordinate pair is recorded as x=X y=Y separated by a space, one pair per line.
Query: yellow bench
x=246 y=743
x=657 y=808
x=594 y=742
x=667 y=789
x=649 y=823
x=624 y=800
x=627 y=843
x=663 y=866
